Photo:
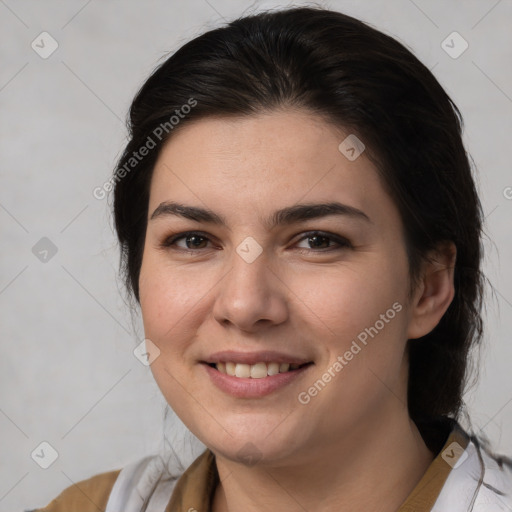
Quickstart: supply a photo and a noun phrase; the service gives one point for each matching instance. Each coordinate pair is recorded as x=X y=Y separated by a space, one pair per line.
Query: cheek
x=345 y=301
x=358 y=314
x=168 y=299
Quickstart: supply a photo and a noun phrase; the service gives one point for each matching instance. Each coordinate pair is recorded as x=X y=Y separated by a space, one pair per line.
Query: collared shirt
x=195 y=488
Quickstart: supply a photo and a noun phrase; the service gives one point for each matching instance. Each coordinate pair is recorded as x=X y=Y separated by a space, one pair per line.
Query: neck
x=373 y=469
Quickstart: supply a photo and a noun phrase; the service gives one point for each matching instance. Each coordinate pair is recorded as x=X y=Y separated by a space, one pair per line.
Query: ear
x=434 y=292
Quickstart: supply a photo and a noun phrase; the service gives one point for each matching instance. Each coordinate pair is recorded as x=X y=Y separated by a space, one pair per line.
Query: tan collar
x=427 y=490
x=195 y=488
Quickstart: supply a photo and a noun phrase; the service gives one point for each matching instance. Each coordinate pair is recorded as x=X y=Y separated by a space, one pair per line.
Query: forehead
x=260 y=163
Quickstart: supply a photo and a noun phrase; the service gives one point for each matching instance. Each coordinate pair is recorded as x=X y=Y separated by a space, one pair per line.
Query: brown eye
x=322 y=241
x=192 y=241
x=319 y=242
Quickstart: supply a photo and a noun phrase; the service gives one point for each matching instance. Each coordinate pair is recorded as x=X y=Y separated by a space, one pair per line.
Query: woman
x=299 y=224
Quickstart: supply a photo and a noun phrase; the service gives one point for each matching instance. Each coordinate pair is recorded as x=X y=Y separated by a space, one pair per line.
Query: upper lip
x=266 y=356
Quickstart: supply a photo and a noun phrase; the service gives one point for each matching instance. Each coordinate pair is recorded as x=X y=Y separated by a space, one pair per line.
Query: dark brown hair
x=367 y=83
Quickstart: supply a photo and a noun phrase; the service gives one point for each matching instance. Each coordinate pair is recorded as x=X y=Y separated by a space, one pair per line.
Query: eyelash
x=343 y=243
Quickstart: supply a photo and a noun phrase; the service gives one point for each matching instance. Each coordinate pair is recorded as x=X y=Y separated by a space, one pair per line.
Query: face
x=325 y=289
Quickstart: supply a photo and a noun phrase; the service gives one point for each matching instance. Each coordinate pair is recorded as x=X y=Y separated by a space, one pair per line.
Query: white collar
x=477 y=483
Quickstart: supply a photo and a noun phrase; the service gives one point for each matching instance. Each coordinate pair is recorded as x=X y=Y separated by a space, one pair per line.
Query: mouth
x=259 y=370
x=249 y=380
x=254 y=374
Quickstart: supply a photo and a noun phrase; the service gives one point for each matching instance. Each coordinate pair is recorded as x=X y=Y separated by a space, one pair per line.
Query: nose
x=251 y=296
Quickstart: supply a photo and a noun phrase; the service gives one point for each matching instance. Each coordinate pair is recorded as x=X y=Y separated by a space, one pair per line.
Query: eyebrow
x=285 y=216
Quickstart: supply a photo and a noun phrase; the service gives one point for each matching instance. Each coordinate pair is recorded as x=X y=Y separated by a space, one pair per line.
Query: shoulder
x=89 y=495
x=496 y=482
x=480 y=481
x=150 y=478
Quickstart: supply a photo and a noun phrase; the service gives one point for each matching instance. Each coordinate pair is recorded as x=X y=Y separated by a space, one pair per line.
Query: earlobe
x=435 y=292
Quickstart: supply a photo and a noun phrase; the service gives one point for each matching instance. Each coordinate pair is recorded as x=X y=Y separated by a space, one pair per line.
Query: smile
x=255 y=371
x=241 y=380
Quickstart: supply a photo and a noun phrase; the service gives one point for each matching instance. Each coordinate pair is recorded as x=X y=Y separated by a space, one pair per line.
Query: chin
x=256 y=447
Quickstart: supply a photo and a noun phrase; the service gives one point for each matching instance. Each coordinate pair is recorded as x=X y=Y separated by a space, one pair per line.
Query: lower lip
x=242 y=387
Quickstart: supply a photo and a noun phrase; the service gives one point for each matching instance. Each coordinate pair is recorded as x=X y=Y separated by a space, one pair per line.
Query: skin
x=353 y=446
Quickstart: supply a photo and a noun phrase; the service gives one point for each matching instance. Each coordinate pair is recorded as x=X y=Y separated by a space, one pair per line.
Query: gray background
x=68 y=374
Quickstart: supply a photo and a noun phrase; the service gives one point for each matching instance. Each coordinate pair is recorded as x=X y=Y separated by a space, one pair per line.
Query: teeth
x=258 y=371
x=273 y=368
x=254 y=371
x=230 y=369
x=243 y=370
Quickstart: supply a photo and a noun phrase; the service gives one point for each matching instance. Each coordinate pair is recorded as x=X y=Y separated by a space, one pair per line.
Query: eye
x=323 y=241
x=319 y=241
x=192 y=240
